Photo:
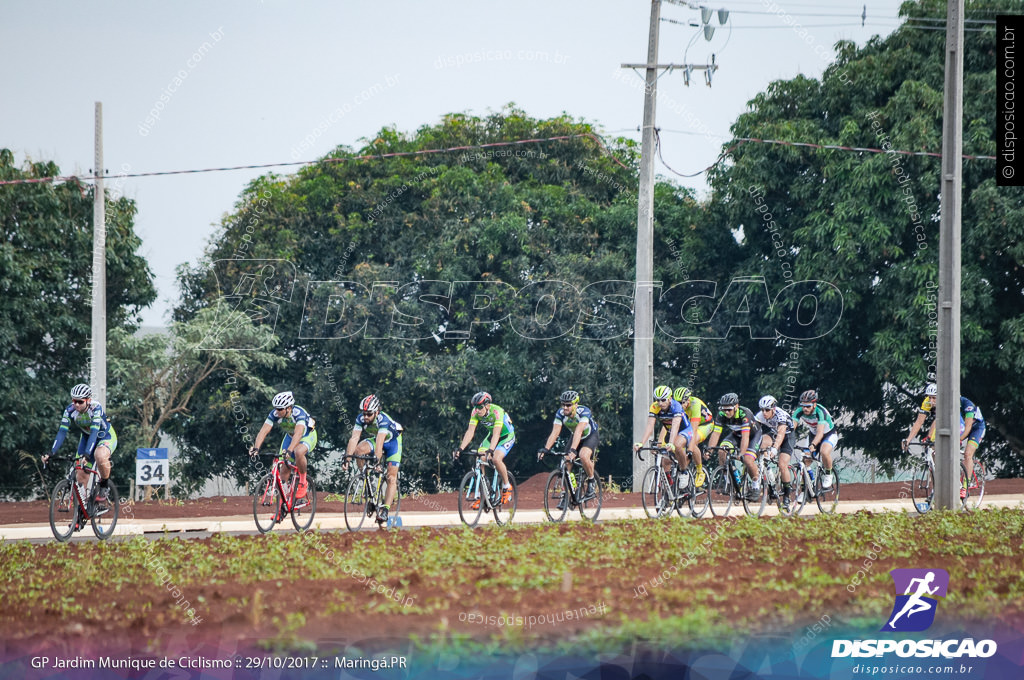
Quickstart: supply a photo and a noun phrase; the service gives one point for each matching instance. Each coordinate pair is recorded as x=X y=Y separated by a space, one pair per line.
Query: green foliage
x=45 y=301
x=561 y=211
x=868 y=223
x=154 y=378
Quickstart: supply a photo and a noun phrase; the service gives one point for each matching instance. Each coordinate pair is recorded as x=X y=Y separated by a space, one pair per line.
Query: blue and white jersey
x=771 y=425
x=296 y=415
x=382 y=422
x=93 y=421
x=582 y=415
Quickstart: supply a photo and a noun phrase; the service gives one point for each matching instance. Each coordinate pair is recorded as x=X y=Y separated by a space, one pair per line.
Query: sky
x=195 y=84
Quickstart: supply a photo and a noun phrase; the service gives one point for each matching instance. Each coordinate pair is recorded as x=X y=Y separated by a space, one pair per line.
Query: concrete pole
x=947 y=429
x=98 y=358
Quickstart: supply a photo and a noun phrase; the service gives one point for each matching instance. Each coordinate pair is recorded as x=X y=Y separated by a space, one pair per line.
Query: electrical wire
x=343 y=159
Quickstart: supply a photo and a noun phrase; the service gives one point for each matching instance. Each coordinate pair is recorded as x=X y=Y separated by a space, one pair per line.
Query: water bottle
x=684 y=480
x=736 y=477
x=572 y=481
x=810 y=474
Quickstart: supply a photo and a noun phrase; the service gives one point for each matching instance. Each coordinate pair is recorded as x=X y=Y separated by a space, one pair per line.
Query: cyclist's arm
x=780 y=435
x=968 y=424
x=378 y=444
x=577 y=435
x=496 y=433
x=300 y=430
x=62 y=434
x=818 y=435
x=648 y=431
x=353 y=441
x=677 y=421
x=556 y=429
x=916 y=427
x=715 y=436
x=261 y=435
x=468 y=437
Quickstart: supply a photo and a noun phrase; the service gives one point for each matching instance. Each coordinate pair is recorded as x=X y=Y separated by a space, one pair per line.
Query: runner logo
x=914 y=609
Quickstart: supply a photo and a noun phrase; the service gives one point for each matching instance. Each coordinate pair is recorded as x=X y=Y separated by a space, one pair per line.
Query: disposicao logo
x=914 y=611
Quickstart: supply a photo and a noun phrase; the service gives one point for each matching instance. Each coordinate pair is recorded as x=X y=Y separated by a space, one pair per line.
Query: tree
x=868 y=224
x=45 y=300
x=155 y=378
x=532 y=229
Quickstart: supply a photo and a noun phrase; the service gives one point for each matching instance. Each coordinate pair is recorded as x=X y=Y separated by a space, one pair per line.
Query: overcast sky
x=273 y=81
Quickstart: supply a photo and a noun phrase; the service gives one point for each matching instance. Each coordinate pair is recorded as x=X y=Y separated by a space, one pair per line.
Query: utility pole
x=98 y=354
x=947 y=425
x=643 y=304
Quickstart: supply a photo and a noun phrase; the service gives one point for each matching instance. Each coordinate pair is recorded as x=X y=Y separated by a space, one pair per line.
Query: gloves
x=904 y=444
x=253 y=452
x=542 y=452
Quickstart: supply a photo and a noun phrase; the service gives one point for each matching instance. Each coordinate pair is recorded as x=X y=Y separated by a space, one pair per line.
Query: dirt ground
x=531 y=496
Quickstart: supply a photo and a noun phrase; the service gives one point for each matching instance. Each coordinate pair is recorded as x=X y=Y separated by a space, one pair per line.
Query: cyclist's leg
x=286 y=472
x=682 y=443
x=828 y=444
x=500 y=453
x=83 y=452
x=587 y=448
x=973 y=442
x=392 y=461
x=105 y=445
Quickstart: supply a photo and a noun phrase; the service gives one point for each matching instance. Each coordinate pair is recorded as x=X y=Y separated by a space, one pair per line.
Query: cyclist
x=97 y=440
x=378 y=433
x=300 y=436
x=823 y=436
x=972 y=429
x=743 y=434
x=702 y=421
x=498 y=445
x=584 y=435
x=777 y=433
x=669 y=413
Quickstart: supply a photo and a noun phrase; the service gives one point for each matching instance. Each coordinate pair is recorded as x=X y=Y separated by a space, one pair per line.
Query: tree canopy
x=45 y=300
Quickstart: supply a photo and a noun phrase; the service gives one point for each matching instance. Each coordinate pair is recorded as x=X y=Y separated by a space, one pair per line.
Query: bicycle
x=366 y=492
x=275 y=499
x=659 y=496
x=922 y=489
x=807 y=482
x=486 y=494
x=82 y=503
x=567 y=485
x=724 y=481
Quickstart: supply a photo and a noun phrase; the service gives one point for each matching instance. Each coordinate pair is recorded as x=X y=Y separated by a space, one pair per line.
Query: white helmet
x=81 y=391
x=283 y=400
x=931 y=390
x=767 y=401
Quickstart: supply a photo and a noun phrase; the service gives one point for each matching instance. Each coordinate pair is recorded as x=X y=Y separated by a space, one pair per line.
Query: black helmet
x=729 y=399
x=809 y=397
x=481 y=399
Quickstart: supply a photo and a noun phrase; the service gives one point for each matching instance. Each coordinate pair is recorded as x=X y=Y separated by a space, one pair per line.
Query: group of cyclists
x=686 y=422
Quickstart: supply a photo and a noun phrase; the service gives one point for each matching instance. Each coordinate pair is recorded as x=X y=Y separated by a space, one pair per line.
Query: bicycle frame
x=480 y=480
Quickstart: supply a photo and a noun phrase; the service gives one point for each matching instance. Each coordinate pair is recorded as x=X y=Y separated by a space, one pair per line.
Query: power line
x=827 y=147
x=343 y=159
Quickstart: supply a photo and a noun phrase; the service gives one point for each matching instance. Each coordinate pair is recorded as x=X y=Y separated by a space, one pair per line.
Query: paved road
x=205 y=526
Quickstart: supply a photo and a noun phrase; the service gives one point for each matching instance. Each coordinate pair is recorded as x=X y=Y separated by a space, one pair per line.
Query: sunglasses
x=567 y=405
x=767 y=410
x=663 y=400
x=728 y=409
x=369 y=414
x=78 y=401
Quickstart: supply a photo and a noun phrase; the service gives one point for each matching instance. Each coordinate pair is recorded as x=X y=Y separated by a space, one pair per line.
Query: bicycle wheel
x=976 y=486
x=922 y=490
x=556 y=497
x=305 y=509
x=828 y=499
x=797 y=492
x=504 y=512
x=63 y=511
x=357 y=503
x=103 y=523
x=753 y=504
x=654 y=493
x=720 y=493
x=470 y=494
x=700 y=496
x=590 y=504
x=266 y=504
